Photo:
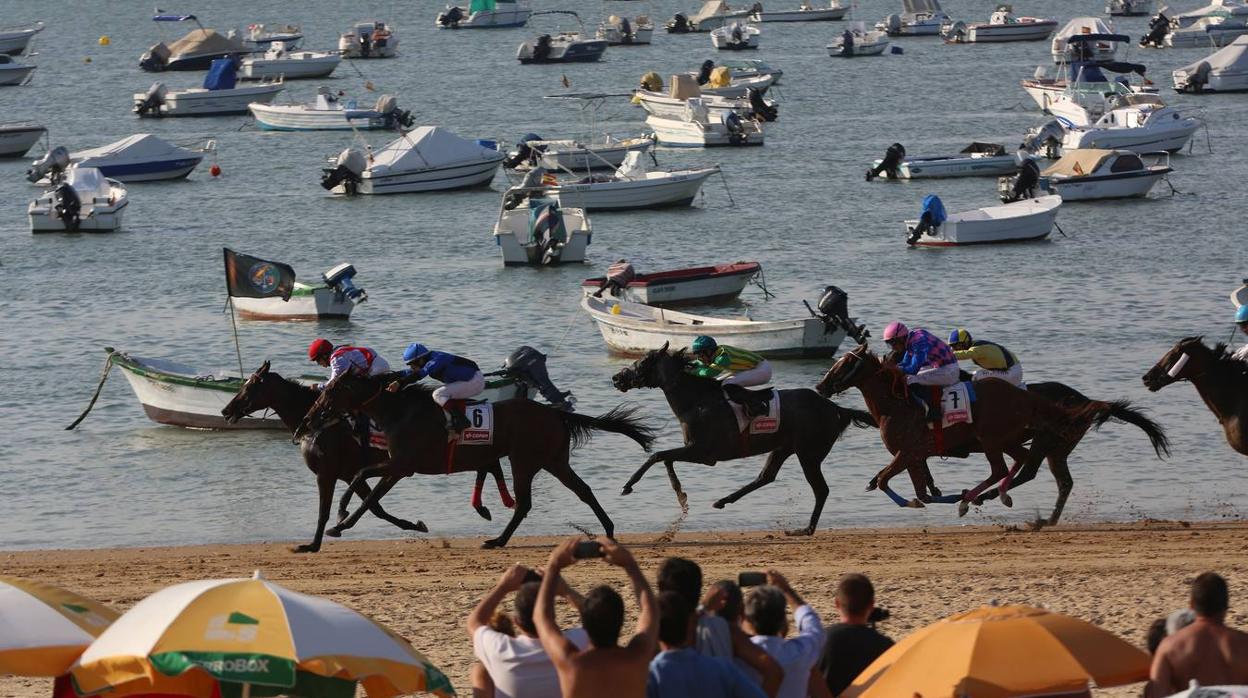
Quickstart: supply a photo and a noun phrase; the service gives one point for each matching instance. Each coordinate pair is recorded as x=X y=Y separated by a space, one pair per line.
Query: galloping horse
x=1001 y=424
x=533 y=436
x=1221 y=381
x=809 y=426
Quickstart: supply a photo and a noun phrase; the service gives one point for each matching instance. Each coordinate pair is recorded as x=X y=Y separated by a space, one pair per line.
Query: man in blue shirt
x=766 y=617
x=460 y=377
x=680 y=671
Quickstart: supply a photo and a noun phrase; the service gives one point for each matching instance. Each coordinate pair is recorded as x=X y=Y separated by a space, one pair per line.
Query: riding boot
x=935 y=409
x=459 y=420
x=918 y=400
x=362 y=428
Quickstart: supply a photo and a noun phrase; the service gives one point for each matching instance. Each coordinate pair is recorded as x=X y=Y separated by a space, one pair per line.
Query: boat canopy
x=1078 y=163
x=1215 y=8
x=914 y=7
x=711 y=8
x=427 y=148
x=1090 y=71
x=174 y=18
x=87 y=182
x=205 y=41
x=1233 y=56
x=1088 y=38
x=1076 y=26
x=934 y=208
x=140 y=147
x=481 y=6
x=222 y=74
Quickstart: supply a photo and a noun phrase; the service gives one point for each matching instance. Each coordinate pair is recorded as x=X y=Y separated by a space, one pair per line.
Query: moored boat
x=574 y=155
x=331 y=113
x=633 y=186
x=1226 y=70
x=807 y=11
x=699 y=127
x=1083 y=175
x=712 y=15
x=682 y=88
x=18 y=137
x=13 y=72
x=84 y=200
x=1002 y=26
x=369 y=39
x=428 y=158
x=332 y=299
x=735 y=36
x=138 y=158
x=617 y=30
x=219 y=95
x=1063 y=51
x=278 y=61
x=195 y=51
x=975 y=160
x=15 y=39
x=856 y=41
x=720 y=283
x=1021 y=221
x=1141 y=123
x=1128 y=8
x=917 y=18
x=484 y=14
x=561 y=47
x=536 y=231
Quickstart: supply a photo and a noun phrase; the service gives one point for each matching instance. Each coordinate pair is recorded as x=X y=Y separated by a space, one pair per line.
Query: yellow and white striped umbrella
x=255 y=633
x=44 y=628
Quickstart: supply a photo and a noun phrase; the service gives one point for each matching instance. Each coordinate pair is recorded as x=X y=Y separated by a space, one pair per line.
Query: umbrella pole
x=246 y=690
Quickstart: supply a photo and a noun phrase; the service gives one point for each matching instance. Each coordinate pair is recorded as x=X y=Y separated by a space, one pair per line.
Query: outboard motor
x=524 y=152
x=347 y=171
x=451 y=18
x=541 y=50
x=888 y=166
x=759 y=106
x=652 y=82
x=528 y=366
x=152 y=101
x=1046 y=138
x=833 y=309
x=396 y=118
x=67 y=206
x=156 y=59
x=1020 y=186
x=704 y=73
x=52 y=165
x=892 y=25
x=366 y=46
x=626 y=31
x=1198 y=79
x=1158 y=28
x=339 y=279
x=736 y=129
x=679 y=24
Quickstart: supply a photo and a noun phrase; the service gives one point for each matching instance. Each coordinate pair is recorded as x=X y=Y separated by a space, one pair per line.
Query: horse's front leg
x=388 y=481
x=325 y=491
x=999 y=471
x=901 y=461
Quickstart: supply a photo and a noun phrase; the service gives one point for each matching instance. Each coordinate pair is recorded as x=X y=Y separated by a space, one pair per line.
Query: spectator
x=604 y=668
x=853 y=643
x=680 y=670
x=766 y=618
x=715 y=635
x=513 y=664
x=1206 y=650
x=1156 y=633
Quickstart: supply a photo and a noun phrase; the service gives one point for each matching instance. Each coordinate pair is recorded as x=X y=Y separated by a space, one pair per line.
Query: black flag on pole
x=252 y=277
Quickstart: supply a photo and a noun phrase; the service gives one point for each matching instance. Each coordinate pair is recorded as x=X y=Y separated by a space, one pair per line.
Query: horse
x=1004 y=420
x=533 y=436
x=809 y=426
x=1220 y=380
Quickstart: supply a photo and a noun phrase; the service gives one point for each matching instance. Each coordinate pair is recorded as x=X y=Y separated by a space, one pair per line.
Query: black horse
x=809 y=426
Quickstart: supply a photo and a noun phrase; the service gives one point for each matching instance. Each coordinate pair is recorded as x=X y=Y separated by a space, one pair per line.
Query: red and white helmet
x=895 y=330
x=319 y=347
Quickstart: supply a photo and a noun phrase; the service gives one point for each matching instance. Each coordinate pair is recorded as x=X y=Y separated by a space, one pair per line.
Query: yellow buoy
x=615 y=309
x=105 y=41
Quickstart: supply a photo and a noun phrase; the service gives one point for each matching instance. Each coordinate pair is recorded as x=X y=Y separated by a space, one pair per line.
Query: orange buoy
x=215 y=170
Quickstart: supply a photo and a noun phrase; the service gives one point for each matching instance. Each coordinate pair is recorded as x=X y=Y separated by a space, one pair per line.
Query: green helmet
x=703 y=343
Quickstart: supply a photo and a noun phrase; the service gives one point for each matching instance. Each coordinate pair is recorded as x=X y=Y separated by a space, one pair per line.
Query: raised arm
x=646 y=639
x=507 y=583
x=557 y=647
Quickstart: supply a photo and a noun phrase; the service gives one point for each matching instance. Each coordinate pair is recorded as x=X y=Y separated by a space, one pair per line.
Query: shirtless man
x=604 y=669
x=1206 y=650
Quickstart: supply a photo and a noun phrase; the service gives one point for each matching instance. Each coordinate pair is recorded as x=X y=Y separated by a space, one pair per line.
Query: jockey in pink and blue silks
x=927 y=360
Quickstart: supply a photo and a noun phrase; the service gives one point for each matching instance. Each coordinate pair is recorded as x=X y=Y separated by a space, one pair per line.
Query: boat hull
x=211 y=102
x=999 y=33
x=1228 y=81
x=678 y=190
x=490 y=19
x=639 y=37
x=461 y=176
x=162 y=170
x=671 y=108
x=1024 y=221
x=201 y=61
x=15 y=74
x=95 y=219
x=1208 y=37
x=827 y=14
x=288 y=69
x=932 y=168
x=271 y=117
x=13 y=42
x=673 y=289
x=691 y=134
x=1114 y=186
x=1139 y=140
x=16 y=141
x=318 y=304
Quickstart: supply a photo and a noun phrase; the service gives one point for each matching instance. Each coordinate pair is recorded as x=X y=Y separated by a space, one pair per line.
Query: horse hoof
x=808 y=531
x=484 y=512
x=1005 y=499
x=334 y=532
x=626 y=491
x=915 y=504
x=307 y=548
x=420 y=526
x=963 y=507
x=871 y=486
x=491 y=544
x=720 y=504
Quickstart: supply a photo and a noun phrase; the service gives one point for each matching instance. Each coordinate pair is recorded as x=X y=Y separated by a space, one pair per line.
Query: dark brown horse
x=1003 y=421
x=1221 y=381
x=809 y=426
x=533 y=436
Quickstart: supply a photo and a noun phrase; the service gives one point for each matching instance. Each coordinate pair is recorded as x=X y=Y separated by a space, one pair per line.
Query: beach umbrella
x=251 y=637
x=999 y=652
x=44 y=628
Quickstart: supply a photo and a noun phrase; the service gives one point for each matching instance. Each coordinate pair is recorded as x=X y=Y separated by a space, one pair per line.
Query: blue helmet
x=1241 y=315
x=703 y=343
x=414 y=351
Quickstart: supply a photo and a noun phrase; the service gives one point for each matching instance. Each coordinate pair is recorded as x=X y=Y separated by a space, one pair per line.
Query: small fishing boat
x=856 y=42
x=369 y=39
x=14 y=73
x=1084 y=175
x=1001 y=26
x=219 y=95
x=1021 y=221
x=917 y=18
x=634 y=328
x=1141 y=123
x=699 y=127
x=720 y=283
x=427 y=158
x=563 y=47
x=617 y=30
x=712 y=15
x=577 y=156
x=138 y=158
x=735 y=36
x=331 y=113
x=1101 y=50
x=534 y=230
x=261 y=37
x=1209 y=32
x=633 y=186
x=14 y=39
x=1085 y=82
x=195 y=51
x=975 y=160
x=297 y=65
x=807 y=11
x=332 y=299
x=484 y=14
x=18 y=137
x=84 y=200
x=682 y=88
x=1128 y=8
x=1226 y=70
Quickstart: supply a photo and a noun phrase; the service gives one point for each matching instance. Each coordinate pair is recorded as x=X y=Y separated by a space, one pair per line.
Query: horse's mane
x=686 y=363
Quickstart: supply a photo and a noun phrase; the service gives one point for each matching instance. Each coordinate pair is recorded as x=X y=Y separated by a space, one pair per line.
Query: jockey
x=994 y=360
x=926 y=360
x=361 y=360
x=1241 y=319
x=460 y=377
x=741 y=368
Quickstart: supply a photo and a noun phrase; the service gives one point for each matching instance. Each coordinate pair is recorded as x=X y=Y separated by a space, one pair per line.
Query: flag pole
x=229 y=300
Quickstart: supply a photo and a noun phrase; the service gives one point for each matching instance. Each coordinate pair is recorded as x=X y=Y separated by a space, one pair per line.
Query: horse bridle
x=852 y=371
x=1178 y=366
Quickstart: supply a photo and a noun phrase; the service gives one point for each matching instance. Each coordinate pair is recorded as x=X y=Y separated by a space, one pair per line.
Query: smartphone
x=587 y=549
x=751 y=579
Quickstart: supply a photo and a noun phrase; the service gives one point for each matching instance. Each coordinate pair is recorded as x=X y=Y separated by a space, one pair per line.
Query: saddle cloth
x=955 y=404
x=377 y=438
x=480 y=429
x=764 y=424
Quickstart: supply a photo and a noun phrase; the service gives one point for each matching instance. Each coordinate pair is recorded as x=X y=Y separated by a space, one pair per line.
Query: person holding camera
x=853 y=643
x=604 y=669
x=514 y=665
x=766 y=617
x=680 y=670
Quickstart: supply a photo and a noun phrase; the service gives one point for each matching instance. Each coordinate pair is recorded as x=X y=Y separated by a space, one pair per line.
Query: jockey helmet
x=1241 y=315
x=703 y=343
x=960 y=336
x=318 y=348
x=895 y=330
x=414 y=351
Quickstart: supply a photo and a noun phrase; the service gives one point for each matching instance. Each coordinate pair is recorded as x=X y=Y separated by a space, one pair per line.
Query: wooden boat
x=1021 y=221
x=690 y=286
x=634 y=329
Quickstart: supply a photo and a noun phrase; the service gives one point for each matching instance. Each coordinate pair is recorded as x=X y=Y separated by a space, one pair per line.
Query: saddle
x=754 y=402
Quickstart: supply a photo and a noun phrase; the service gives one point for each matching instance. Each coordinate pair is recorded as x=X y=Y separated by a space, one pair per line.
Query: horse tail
x=860 y=418
x=622 y=419
x=1122 y=411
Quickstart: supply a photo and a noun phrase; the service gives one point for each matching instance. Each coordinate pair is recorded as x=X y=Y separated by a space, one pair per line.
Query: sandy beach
x=1118 y=576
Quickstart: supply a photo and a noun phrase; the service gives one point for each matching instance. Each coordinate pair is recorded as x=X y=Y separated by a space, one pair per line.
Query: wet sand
x=1118 y=576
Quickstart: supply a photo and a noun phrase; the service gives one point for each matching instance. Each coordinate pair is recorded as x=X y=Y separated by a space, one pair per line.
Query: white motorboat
x=917 y=18
x=712 y=15
x=332 y=113
x=13 y=40
x=1140 y=123
x=618 y=30
x=1085 y=82
x=1209 y=32
x=369 y=39
x=428 y=158
x=682 y=88
x=261 y=37
x=332 y=299
x=484 y=14
x=1082 y=175
x=1001 y=26
x=740 y=68
x=1101 y=50
x=17 y=137
x=700 y=127
x=195 y=51
x=83 y=201
x=735 y=36
x=1090 y=95
x=632 y=186
x=1216 y=8
x=721 y=283
x=138 y=158
x=538 y=231
x=633 y=329
x=562 y=47
x=975 y=160
x=296 y=65
x=219 y=95
x=807 y=11
x=712 y=80
x=577 y=156
x=856 y=41
x=1128 y=8
x=1021 y=221
x=14 y=73
x=1226 y=70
